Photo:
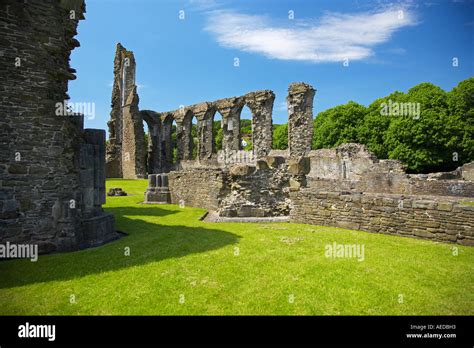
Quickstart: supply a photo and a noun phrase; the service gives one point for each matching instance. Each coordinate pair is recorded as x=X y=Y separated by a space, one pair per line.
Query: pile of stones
x=117 y=191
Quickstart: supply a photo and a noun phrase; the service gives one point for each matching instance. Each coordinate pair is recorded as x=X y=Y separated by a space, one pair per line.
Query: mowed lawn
x=178 y=265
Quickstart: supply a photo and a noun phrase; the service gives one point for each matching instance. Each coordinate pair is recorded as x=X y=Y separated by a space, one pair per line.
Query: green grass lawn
x=180 y=265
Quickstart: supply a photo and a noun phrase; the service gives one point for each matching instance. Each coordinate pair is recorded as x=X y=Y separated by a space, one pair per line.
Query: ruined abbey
x=346 y=187
x=52 y=171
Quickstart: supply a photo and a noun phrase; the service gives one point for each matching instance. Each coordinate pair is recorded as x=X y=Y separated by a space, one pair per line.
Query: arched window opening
x=246 y=129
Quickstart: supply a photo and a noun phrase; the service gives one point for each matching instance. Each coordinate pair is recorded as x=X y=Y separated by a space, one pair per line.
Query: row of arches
x=194 y=132
x=172 y=138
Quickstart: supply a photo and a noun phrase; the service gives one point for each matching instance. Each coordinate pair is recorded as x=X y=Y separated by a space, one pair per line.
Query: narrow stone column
x=154 y=146
x=230 y=109
x=261 y=105
x=133 y=143
x=300 y=118
x=180 y=142
x=204 y=114
x=152 y=180
x=166 y=143
x=153 y=121
x=187 y=138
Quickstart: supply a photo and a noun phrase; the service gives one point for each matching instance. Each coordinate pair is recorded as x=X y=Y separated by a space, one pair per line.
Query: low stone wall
x=396 y=184
x=198 y=188
x=441 y=219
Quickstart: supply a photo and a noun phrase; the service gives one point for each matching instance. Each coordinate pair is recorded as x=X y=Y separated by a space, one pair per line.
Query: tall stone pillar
x=123 y=94
x=153 y=121
x=230 y=109
x=261 y=105
x=204 y=113
x=300 y=118
x=187 y=137
x=180 y=140
x=133 y=143
x=166 y=143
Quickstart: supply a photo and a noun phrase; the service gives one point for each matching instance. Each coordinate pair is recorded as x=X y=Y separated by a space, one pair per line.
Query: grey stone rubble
x=116 y=191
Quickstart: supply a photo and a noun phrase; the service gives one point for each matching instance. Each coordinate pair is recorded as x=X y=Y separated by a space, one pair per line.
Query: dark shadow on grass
x=143 y=210
x=148 y=242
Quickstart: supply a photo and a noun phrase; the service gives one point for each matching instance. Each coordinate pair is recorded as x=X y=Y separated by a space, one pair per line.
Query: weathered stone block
x=241 y=170
x=262 y=165
x=423 y=204
x=17 y=169
x=348 y=225
x=445 y=206
x=275 y=161
x=299 y=166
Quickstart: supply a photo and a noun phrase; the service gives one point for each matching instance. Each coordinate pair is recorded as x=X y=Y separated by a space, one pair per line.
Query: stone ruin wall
x=126 y=148
x=435 y=218
x=160 y=148
x=351 y=167
x=202 y=188
x=52 y=171
x=345 y=187
x=126 y=151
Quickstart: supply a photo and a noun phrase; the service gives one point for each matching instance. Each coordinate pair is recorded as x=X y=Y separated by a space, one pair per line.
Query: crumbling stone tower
x=52 y=171
x=125 y=151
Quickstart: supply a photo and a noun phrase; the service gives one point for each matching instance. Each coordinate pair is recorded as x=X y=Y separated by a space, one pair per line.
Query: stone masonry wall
x=51 y=186
x=160 y=151
x=424 y=217
x=257 y=191
x=202 y=188
x=351 y=167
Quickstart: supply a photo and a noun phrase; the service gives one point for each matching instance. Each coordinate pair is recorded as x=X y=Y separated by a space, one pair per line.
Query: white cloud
x=333 y=38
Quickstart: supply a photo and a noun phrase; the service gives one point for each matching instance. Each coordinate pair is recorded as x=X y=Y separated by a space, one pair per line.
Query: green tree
x=280 y=136
x=217 y=135
x=423 y=143
x=372 y=129
x=246 y=127
x=461 y=111
x=338 y=125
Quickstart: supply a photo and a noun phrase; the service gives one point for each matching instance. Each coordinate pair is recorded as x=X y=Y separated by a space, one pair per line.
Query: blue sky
x=388 y=46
